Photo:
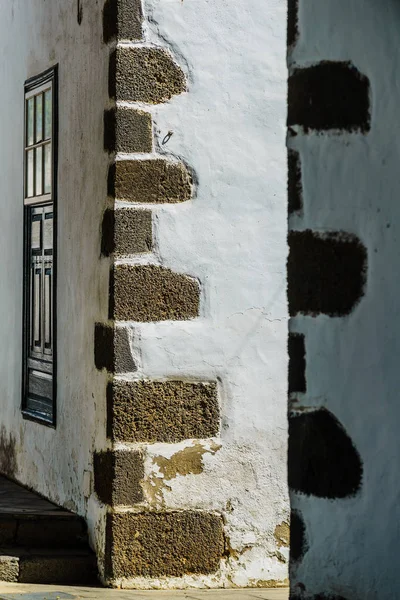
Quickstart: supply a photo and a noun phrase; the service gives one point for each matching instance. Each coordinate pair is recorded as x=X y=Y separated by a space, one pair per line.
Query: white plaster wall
x=230 y=129
x=351 y=182
x=34 y=35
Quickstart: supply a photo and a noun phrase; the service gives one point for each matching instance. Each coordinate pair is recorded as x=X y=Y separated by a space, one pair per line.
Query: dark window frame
x=50 y=75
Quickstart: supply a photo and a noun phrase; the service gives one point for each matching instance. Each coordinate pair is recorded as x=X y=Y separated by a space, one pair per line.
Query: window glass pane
x=39 y=117
x=48 y=233
x=29 y=173
x=47 y=169
x=39 y=171
x=47 y=114
x=29 y=121
x=36 y=234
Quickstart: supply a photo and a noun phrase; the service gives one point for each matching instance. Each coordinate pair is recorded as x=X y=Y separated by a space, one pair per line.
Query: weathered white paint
x=35 y=35
x=351 y=183
x=230 y=129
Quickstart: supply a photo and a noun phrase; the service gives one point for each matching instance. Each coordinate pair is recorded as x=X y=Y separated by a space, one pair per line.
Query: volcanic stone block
x=117 y=477
x=128 y=130
x=326 y=273
x=126 y=231
x=152 y=181
x=9 y=569
x=152 y=293
x=322 y=459
x=163 y=544
x=295 y=191
x=144 y=74
x=328 y=96
x=162 y=411
x=112 y=349
x=122 y=20
x=297 y=363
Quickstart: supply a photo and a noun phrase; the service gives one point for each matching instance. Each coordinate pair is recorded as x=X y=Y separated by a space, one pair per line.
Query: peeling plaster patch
x=269 y=583
x=282 y=534
x=188 y=461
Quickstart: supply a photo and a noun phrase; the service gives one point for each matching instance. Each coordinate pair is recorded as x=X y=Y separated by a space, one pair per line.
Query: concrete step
x=50 y=566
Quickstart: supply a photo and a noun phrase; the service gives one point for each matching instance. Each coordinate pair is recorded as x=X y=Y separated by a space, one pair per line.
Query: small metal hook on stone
x=167 y=137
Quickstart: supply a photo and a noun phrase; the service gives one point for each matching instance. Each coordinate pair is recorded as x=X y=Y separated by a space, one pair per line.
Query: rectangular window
x=40 y=207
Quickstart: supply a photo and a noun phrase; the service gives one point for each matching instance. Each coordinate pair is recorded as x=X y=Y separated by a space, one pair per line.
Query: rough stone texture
x=122 y=20
x=123 y=359
x=144 y=74
x=126 y=231
x=154 y=181
x=297 y=363
x=326 y=273
x=292 y=22
x=162 y=411
x=117 y=476
x=163 y=544
x=295 y=191
x=298 y=540
x=112 y=349
x=151 y=293
x=9 y=569
x=128 y=130
x=133 y=231
x=329 y=95
x=322 y=459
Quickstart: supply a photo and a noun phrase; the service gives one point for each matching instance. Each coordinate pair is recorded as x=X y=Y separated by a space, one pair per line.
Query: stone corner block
x=153 y=181
x=117 y=477
x=144 y=74
x=162 y=411
x=128 y=130
x=126 y=231
x=122 y=20
x=112 y=349
x=170 y=544
x=152 y=293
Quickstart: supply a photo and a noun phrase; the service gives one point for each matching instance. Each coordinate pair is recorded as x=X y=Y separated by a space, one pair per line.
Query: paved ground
x=19 y=591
